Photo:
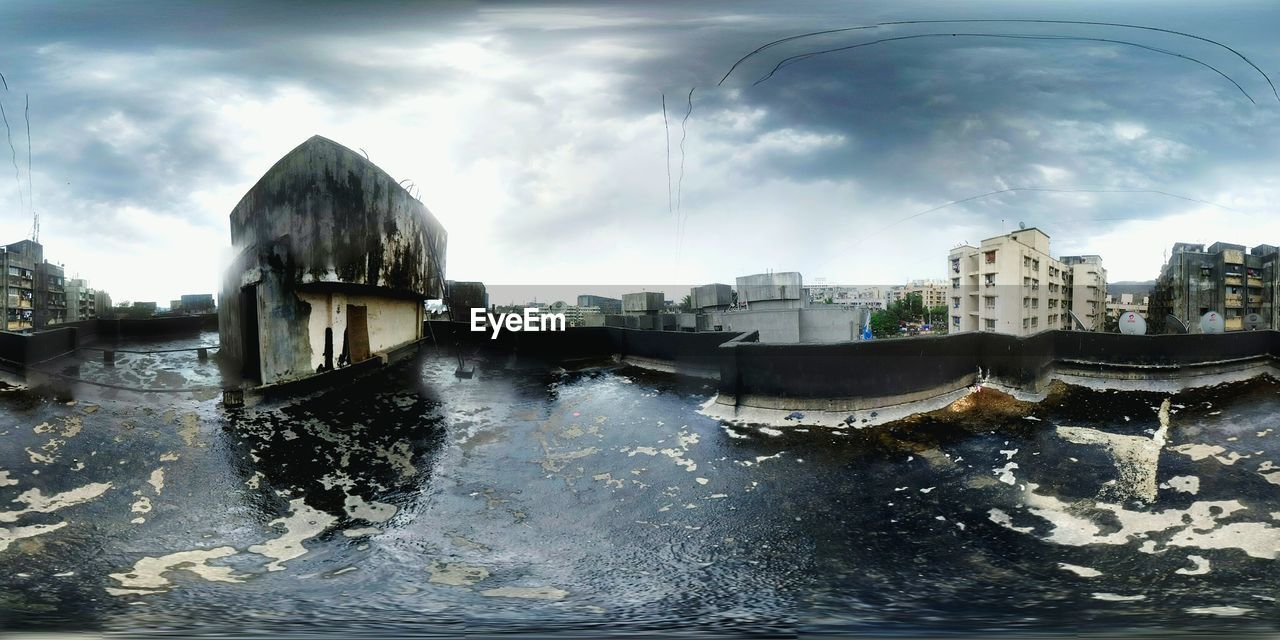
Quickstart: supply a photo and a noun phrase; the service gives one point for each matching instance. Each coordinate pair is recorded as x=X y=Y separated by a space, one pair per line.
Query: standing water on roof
x=602 y=500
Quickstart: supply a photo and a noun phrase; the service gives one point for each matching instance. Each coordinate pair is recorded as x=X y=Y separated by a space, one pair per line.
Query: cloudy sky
x=536 y=133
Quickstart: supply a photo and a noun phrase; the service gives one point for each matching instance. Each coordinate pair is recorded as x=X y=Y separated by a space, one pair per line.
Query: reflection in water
x=602 y=500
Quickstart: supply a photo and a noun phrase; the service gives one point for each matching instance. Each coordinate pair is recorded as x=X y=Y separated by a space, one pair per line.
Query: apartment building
x=33 y=294
x=848 y=295
x=605 y=305
x=1011 y=284
x=1088 y=290
x=82 y=301
x=1227 y=278
x=933 y=293
x=1124 y=303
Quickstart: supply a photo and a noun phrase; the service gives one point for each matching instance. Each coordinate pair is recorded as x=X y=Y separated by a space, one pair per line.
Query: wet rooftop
x=603 y=501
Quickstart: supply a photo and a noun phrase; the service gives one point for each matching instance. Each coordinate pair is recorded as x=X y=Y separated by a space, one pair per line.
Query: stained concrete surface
x=601 y=501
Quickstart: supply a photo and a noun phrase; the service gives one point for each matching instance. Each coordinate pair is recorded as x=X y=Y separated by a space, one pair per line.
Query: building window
x=991 y=324
x=990 y=257
x=1035 y=322
x=955 y=321
x=1035 y=265
x=955 y=303
x=1035 y=303
x=990 y=280
x=955 y=265
x=1026 y=261
x=1026 y=322
x=955 y=283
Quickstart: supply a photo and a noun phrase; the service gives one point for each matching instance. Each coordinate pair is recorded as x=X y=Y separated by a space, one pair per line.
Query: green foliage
x=884 y=324
x=686 y=303
x=888 y=322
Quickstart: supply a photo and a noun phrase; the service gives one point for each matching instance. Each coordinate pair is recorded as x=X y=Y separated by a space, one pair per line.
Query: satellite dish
x=1212 y=322
x=1022 y=225
x=1253 y=322
x=1075 y=322
x=1132 y=324
x=1172 y=324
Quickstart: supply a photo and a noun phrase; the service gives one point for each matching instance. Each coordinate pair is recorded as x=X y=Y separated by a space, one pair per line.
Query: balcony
x=1255 y=282
x=1233 y=324
x=1233 y=280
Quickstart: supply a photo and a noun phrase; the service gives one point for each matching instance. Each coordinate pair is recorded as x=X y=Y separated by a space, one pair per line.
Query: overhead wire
x=1121 y=25
x=796 y=58
x=13 y=153
x=680 y=218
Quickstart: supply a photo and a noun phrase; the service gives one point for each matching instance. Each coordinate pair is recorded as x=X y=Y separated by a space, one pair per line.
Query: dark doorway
x=328 y=350
x=358 y=332
x=252 y=359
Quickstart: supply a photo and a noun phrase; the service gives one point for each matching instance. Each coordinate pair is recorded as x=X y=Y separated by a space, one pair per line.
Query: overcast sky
x=536 y=134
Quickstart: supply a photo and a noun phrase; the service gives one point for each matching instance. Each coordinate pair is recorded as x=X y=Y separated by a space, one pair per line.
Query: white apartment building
x=933 y=293
x=1010 y=284
x=1088 y=290
x=857 y=296
x=1126 y=302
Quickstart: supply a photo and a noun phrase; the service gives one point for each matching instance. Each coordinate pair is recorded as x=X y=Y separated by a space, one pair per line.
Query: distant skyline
x=536 y=133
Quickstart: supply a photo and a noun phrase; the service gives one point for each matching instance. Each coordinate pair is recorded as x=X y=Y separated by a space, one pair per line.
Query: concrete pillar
x=109 y=358
x=203 y=354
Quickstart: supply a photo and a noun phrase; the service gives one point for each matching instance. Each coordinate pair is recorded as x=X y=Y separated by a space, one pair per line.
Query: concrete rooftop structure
x=334 y=260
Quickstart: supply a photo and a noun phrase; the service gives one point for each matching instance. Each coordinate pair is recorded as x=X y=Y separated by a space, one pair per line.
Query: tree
x=885 y=324
x=686 y=303
x=1111 y=324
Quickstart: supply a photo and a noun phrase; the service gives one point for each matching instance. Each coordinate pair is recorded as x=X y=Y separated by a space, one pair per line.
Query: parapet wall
x=877 y=373
x=21 y=350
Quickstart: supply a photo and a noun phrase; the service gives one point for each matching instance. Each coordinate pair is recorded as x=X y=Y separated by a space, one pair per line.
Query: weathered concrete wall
x=462 y=297
x=772 y=290
x=20 y=350
x=830 y=323
x=778 y=325
x=321 y=229
x=391 y=322
x=878 y=373
x=343 y=219
x=711 y=295
x=642 y=302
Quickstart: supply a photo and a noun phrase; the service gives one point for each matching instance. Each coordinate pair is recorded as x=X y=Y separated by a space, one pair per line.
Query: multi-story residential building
x=859 y=296
x=933 y=293
x=1088 y=290
x=1010 y=284
x=577 y=316
x=33 y=292
x=606 y=305
x=19 y=285
x=102 y=304
x=1124 y=303
x=197 y=303
x=82 y=301
x=1226 y=278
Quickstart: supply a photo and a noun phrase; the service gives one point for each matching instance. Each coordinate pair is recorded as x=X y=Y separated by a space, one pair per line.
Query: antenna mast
x=35 y=226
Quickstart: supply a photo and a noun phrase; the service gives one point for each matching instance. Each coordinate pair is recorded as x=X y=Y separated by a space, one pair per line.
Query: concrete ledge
x=666 y=366
x=844 y=404
x=1092 y=375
